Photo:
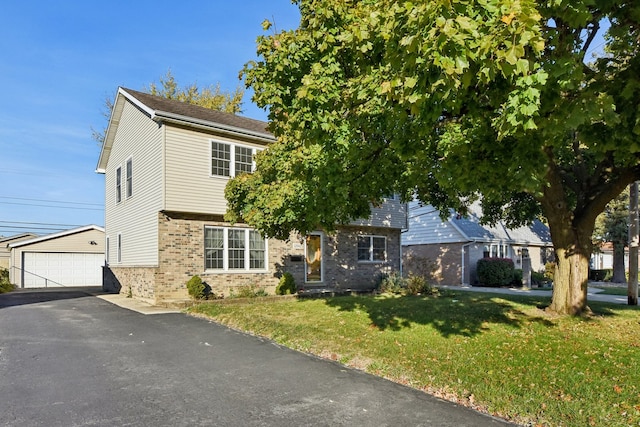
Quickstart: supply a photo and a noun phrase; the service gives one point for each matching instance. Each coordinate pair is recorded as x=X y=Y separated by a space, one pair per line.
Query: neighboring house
x=166 y=165
x=68 y=258
x=5 y=252
x=455 y=245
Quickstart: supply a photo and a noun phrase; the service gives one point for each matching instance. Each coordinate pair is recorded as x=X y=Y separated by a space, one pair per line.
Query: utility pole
x=632 y=285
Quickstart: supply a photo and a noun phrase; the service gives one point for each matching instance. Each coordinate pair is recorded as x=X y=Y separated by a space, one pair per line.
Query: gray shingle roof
x=161 y=104
x=536 y=232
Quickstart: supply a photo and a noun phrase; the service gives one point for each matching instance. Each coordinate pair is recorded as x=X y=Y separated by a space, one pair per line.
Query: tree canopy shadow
x=450 y=314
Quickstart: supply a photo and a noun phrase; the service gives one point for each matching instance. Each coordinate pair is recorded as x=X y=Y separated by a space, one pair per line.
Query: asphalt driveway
x=68 y=358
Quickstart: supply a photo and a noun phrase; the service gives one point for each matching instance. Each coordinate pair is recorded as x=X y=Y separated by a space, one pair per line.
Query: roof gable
x=161 y=109
x=56 y=235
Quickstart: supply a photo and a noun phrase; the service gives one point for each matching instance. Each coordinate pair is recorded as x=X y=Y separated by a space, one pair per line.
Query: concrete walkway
x=593 y=294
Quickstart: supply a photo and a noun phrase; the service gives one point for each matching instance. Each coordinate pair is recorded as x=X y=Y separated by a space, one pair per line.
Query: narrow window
x=129 y=178
x=106 y=252
x=257 y=251
x=220 y=159
x=119 y=248
x=236 y=249
x=363 y=248
x=214 y=248
x=379 y=249
x=244 y=160
x=118 y=184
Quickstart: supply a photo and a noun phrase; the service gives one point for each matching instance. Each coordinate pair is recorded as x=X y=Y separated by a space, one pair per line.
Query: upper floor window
x=372 y=248
x=129 y=186
x=118 y=184
x=230 y=159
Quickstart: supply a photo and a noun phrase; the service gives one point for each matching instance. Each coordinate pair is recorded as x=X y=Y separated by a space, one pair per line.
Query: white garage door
x=47 y=269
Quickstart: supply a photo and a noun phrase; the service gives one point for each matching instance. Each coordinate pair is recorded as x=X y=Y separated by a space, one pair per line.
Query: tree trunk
x=570 y=283
x=572 y=245
x=619 y=271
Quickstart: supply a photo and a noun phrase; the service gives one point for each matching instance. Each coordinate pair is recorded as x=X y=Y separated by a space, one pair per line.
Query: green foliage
x=550 y=271
x=418 y=285
x=603 y=275
x=209 y=96
x=392 y=283
x=538 y=279
x=196 y=288
x=5 y=284
x=286 y=285
x=212 y=97
x=414 y=284
x=364 y=97
x=495 y=271
x=517 y=277
x=248 y=291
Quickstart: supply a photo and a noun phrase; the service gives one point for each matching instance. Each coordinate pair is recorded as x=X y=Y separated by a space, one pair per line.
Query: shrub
x=517 y=277
x=196 y=288
x=249 y=291
x=538 y=279
x=287 y=285
x=495 y=271
x=392 y=283
x=419 y=285
x=549 y=271
x=601 y=275
x=5 y=284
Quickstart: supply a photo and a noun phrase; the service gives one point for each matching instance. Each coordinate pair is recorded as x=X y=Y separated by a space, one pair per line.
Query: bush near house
x=5 y=285
x=197 y=289
x=287 y=285
x=495 y=271
x=603 y=275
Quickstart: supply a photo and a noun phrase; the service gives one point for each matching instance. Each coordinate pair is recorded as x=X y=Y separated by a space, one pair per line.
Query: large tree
x=450 y=100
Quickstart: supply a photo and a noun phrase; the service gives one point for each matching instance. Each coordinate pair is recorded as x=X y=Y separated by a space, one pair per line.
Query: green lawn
x=611 y=290
x=497 y=353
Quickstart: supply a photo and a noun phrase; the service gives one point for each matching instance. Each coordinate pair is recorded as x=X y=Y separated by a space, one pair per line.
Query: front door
x=313 y=258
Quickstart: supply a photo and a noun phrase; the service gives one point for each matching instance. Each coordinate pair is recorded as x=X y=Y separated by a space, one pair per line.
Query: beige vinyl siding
x=190 y=187
x=135 y=218
x=73 y=243
x=392 y=214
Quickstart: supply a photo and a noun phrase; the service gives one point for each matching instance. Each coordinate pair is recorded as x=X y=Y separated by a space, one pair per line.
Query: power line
x=10 y=227
x=38 y=223
x=51 y=201
x=52 y=206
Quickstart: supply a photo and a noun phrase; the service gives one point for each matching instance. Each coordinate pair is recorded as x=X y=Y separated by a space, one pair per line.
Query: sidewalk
x=593 y=294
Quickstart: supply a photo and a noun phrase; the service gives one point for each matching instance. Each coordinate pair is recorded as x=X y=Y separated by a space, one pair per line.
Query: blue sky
x=60 y=60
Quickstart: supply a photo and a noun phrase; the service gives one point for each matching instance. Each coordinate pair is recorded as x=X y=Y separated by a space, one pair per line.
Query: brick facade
x=181 y=256
x=445 y=258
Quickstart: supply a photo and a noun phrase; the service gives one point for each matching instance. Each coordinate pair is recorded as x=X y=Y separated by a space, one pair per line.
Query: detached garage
x=69 y=258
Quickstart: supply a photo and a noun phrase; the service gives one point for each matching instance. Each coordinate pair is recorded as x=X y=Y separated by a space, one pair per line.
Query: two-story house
x=166 y=165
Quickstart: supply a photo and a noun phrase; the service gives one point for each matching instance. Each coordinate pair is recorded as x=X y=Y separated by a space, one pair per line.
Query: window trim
x=371 y=259
x=128 y=180
x=107 y=249
x=225 y=251
x=232 y=157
